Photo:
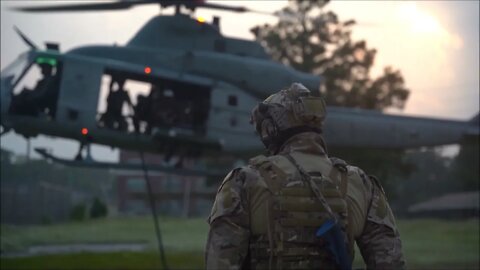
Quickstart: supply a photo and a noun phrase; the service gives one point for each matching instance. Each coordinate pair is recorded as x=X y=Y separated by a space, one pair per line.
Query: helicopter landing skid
x=129 y=166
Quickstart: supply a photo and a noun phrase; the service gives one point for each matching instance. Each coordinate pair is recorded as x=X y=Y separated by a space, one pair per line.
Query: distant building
x=36 y=191
x=35 y=203
x=174 y=195
x=453 y=205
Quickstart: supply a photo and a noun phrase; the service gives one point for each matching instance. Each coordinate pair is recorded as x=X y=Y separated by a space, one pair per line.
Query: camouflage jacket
x=371 y=221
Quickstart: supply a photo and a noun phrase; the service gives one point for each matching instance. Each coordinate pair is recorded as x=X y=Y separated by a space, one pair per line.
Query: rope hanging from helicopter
x=153 y=208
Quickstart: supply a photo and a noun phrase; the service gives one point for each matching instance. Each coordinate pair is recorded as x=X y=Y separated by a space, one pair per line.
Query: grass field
x=178 y=234
x=428 y=244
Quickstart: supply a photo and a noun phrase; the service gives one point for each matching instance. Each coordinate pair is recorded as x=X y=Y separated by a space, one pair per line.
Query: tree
x=313 y=40
x=465 y=171
x=98 y=209
x=77 y=213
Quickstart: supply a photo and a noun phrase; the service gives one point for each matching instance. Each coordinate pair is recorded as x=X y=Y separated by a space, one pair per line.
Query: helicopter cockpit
x=32 y=84
x=36 y=92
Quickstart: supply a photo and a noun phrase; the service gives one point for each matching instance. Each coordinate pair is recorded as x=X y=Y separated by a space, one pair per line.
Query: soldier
x=297 y=208
x=42 y=98
x=113 y=117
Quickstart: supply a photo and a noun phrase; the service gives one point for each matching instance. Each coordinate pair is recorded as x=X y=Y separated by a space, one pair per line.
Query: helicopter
x=199 y=87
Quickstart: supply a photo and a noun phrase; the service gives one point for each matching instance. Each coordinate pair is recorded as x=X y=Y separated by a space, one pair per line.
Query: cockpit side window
x=28 y=81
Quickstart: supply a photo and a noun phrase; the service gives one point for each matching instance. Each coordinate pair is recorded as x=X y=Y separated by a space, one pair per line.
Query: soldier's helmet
x=286 y=113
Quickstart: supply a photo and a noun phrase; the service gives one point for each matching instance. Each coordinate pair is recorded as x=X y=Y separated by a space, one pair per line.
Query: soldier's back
x=286 y=214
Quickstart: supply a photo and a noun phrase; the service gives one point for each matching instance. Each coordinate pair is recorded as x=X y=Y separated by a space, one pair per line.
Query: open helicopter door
x=156 y=103
x=77 y=103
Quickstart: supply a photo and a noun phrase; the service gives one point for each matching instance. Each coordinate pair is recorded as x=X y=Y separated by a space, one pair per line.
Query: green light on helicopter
x=46 y=60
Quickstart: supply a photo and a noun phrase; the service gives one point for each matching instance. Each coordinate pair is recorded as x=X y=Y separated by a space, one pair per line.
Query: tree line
x=313 y=39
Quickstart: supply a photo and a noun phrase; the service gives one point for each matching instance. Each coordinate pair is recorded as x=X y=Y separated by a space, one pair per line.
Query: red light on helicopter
x=147 y=70
x=84 y=131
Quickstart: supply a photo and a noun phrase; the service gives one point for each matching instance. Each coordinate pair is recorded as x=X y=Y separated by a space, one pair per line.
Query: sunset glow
x=418 y=20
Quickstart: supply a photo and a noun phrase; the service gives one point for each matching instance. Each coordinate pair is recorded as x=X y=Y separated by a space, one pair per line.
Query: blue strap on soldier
x=335 y=238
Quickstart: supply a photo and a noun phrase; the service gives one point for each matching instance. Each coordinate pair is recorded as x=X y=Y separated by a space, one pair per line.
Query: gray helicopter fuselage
x=229 y=76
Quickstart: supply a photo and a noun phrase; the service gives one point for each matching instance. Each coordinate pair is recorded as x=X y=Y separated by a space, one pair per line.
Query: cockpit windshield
x=16 y=69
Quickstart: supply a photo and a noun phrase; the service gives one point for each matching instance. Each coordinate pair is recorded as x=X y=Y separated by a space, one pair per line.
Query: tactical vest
x=293 y=214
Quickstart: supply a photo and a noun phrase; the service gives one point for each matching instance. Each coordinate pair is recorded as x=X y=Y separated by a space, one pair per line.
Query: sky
x=435 y=44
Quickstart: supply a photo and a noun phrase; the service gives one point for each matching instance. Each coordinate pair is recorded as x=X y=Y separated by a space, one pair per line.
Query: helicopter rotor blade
x=215 y=6
x=25 y=38
x=262 y=12
x=84 y=7
x=230 y=8
x=126 y=4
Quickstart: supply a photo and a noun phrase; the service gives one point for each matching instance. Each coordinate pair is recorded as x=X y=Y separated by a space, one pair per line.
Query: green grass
x=178 y=234
x=114 y=260
x=428 y=244
x=437 y=244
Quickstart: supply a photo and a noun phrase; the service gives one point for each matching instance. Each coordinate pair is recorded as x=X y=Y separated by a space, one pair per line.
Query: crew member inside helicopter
x=144 y=111
x=117 y=96
x=168 y=105
x=142 y=116
x=42 y=98
x=192 y=108
x=164 y=107
x=199 y=115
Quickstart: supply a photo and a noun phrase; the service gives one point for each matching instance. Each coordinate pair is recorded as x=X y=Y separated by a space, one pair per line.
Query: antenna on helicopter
x=25 y=38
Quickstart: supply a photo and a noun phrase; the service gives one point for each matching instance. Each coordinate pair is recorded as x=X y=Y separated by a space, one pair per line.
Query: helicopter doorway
x=134 y=103
x=116 y=109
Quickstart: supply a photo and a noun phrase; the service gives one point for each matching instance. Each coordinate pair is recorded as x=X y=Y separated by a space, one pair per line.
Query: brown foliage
x=313 y=40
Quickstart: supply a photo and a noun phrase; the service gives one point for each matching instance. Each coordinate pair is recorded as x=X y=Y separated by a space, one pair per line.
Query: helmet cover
x=290 y=109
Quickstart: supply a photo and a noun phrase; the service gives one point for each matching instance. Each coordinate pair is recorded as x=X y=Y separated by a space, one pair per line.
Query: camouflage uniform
x=265 y=216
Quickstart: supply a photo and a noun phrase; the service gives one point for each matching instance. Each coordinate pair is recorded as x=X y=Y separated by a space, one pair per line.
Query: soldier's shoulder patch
x=228 y=196
x=380 y=211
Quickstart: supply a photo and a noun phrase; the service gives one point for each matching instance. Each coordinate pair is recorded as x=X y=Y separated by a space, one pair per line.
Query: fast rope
x=153 y=208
